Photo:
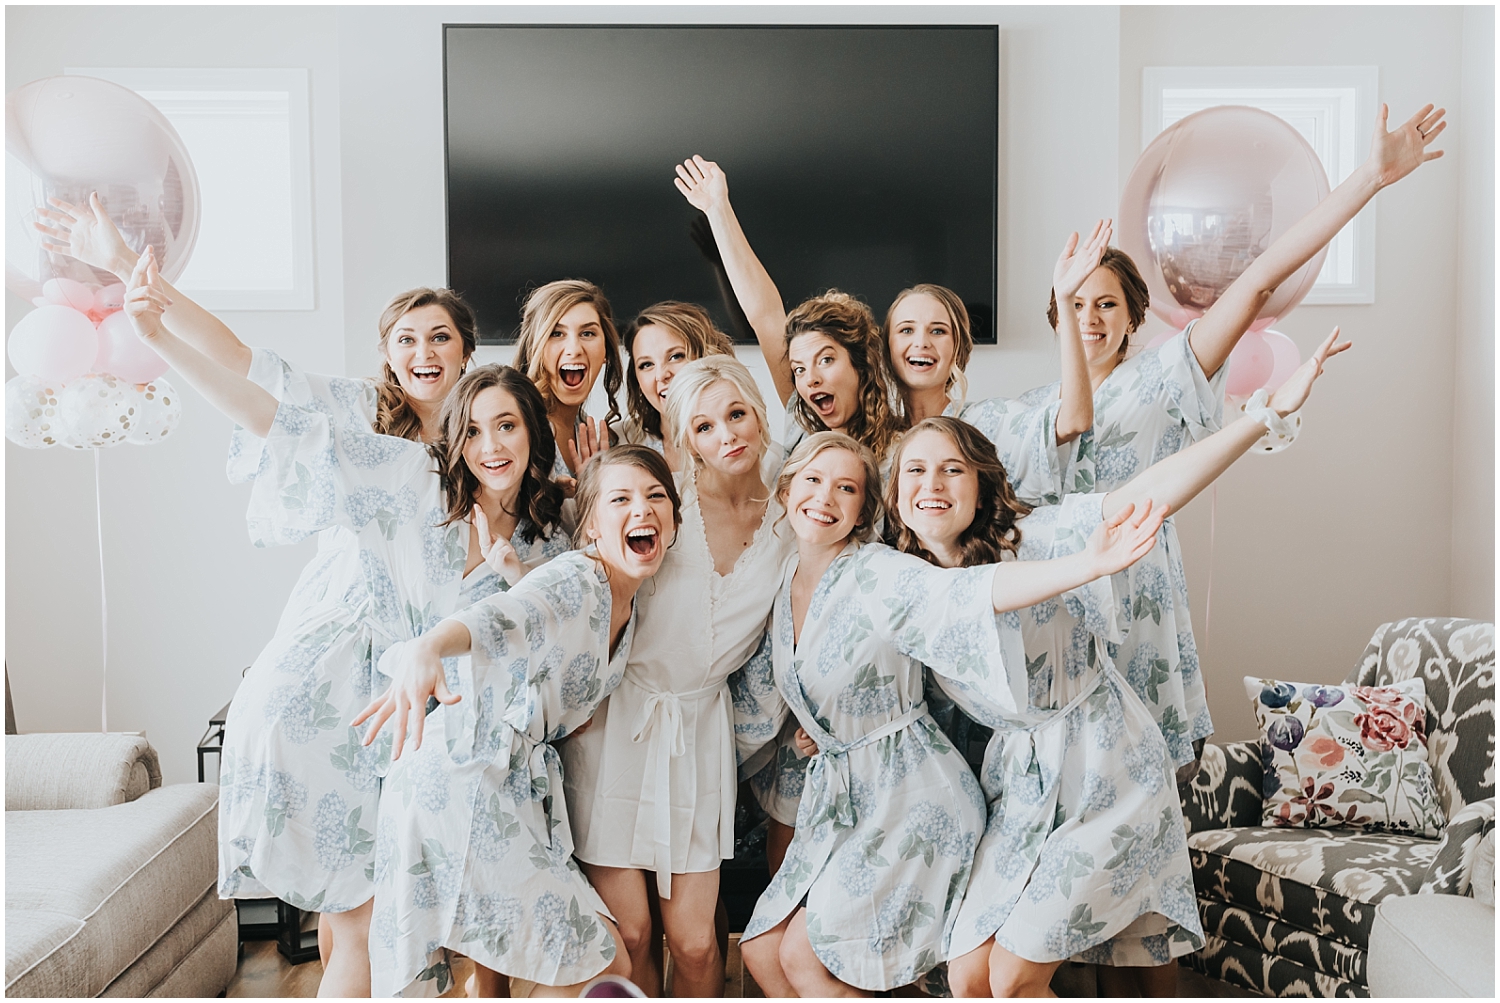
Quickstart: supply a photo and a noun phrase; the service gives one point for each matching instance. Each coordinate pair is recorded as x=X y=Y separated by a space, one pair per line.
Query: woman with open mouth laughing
x=651 y=786
x=662 y=339
x=299 y=792
x=1077 y=776
x=475 y=849
x=890 y=813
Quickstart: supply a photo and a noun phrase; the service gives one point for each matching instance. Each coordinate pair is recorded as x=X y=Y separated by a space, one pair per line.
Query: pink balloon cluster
x=77 y=329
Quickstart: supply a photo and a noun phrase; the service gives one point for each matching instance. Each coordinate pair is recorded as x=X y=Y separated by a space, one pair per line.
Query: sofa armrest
x=53 y=772
x=1226 y=791
x=1452 y=869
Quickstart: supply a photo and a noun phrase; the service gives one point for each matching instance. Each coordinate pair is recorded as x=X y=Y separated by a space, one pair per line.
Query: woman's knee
x=694 y=949
x=969 y=974
x=1016 y=977
x=759 y=954
x=799 y=961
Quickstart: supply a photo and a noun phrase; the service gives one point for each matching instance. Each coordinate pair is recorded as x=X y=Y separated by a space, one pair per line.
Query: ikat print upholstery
x=1345 y=756
x=1288 y=911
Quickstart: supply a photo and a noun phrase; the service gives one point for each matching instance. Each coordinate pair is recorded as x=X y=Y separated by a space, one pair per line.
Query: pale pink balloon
x=1285 y=357
x=1250 y=365
x=122 y=353
x=67 y=292
x=53 y=343
x=109 y=299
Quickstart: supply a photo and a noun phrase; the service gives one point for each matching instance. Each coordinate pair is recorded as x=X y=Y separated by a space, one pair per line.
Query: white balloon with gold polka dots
x=31 y=415
x=158 y=409
x=97 y=411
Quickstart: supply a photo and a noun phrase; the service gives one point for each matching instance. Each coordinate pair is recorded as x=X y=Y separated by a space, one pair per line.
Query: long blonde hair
x=539 y=317
x=963 y=336
x=394 y=414
x=694 y=378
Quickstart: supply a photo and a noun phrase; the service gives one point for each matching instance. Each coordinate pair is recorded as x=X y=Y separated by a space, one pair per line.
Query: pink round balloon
x=1285 y=357
x=1250 y=365
x=109 y=299
x=122 y=353
x=1207 y=197
x=53 y=343
x=66 y=292
x=69 y=136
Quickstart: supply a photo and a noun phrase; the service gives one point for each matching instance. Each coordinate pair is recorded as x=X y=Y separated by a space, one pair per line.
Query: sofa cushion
x=60 y=771
x=1323 y=881
x=1258 y=931
x=1266 y=974
x=1455 y=660
x=197 y=933
x=1433 y=945
x=127 y=873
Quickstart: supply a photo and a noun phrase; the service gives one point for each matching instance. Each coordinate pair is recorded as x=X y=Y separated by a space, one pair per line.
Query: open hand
x=417 y=674
x=1394 y=155
x=1125 y=537
x=86 y=233
x=1292 y=394
x=1075 y=264
x=592 y=438
x=805 y=743
x=702 y=183
x=497 y=551
x=146 y=297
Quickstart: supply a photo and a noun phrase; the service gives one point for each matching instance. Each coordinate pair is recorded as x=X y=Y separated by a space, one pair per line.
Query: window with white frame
x=246 y=131
x=1333 y=107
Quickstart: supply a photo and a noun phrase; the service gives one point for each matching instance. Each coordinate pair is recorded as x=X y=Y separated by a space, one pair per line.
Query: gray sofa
x=109 y=876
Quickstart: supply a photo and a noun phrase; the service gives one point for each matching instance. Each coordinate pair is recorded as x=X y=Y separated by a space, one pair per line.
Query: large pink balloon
x=69 y=136
x=1284 y=355
x=122 y=353
x=53 y=343
x=1250 y=365
x=1207 y=197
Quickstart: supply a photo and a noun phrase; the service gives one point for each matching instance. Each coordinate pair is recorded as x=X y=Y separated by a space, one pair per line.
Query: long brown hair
x=628 y=455
x=539 y=503
x=994 y=530
x=694 y=326
x=544 y=308
x=1137 y=294
x=808 y=449
x=958 y=320
x=394 y=414
x=849 y=322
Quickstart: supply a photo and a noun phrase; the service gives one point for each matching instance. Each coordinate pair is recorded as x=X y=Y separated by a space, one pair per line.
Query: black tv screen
x=861 y=158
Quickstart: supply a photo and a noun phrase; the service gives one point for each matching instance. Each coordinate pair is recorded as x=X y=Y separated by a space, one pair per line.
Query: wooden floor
x=264 y=972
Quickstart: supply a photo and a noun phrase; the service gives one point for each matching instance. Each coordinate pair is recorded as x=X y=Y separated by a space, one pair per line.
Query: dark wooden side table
x=259 y=919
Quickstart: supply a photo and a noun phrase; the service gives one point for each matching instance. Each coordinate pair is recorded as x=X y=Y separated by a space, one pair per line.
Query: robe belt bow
x=828 y=782
x=543 y=768
x=660 y=723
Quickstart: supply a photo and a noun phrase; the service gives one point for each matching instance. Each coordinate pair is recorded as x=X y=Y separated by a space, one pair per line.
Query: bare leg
x=489 y=983
x=1130 y=980
x=1011 y=975
x=325 y=941
x=762 y=956
x=658 y=940
x=721 y=927
x=620 y=966
x=969 y=974
x=347 y=972
x=624 y=890
x=778 y=838
x=688 y=916
x=803 y=969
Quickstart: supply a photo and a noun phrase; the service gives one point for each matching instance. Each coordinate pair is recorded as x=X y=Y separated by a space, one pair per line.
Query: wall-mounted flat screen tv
x=858 y=158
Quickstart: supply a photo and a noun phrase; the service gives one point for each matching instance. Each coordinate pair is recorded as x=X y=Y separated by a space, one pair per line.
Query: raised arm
x=88 y=234
x=1179 y=478
x=705 y=187
x=1076 y=413
x=246 y=403
x=1393 y=155
x=416 y=671
x=1121 y=539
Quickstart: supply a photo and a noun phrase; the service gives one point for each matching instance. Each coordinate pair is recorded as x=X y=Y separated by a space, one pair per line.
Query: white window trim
x=302 y=295
x=1347 y=152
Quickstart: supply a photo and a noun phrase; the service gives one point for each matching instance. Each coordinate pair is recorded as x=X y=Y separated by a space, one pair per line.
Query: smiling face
x=1103 y=316
x=937 y=489
x=724 y=432
x=825 y=378
x=573 y=356
x=632 y=521
x=497 y=447
x=824 y=499
x=657 y=353
x=923 y=343
x=425 y=352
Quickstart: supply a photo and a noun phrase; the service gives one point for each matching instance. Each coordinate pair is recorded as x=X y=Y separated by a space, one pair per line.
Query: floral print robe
x=298 y=791
x=1152 y=405
x=474 y=851
x=890 y=814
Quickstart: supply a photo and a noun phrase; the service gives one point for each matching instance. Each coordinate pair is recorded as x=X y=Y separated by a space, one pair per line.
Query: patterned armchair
x=1288 y=912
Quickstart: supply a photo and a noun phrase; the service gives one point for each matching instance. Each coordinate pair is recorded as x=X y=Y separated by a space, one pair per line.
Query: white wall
x=191 y=603
x=1373 y=490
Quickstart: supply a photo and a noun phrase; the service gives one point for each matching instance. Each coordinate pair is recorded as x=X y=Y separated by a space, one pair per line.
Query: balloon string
x=1208 y=602
x=103 y=602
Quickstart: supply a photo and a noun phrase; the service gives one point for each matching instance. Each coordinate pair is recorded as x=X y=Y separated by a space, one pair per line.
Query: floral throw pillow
x=1346 y=755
